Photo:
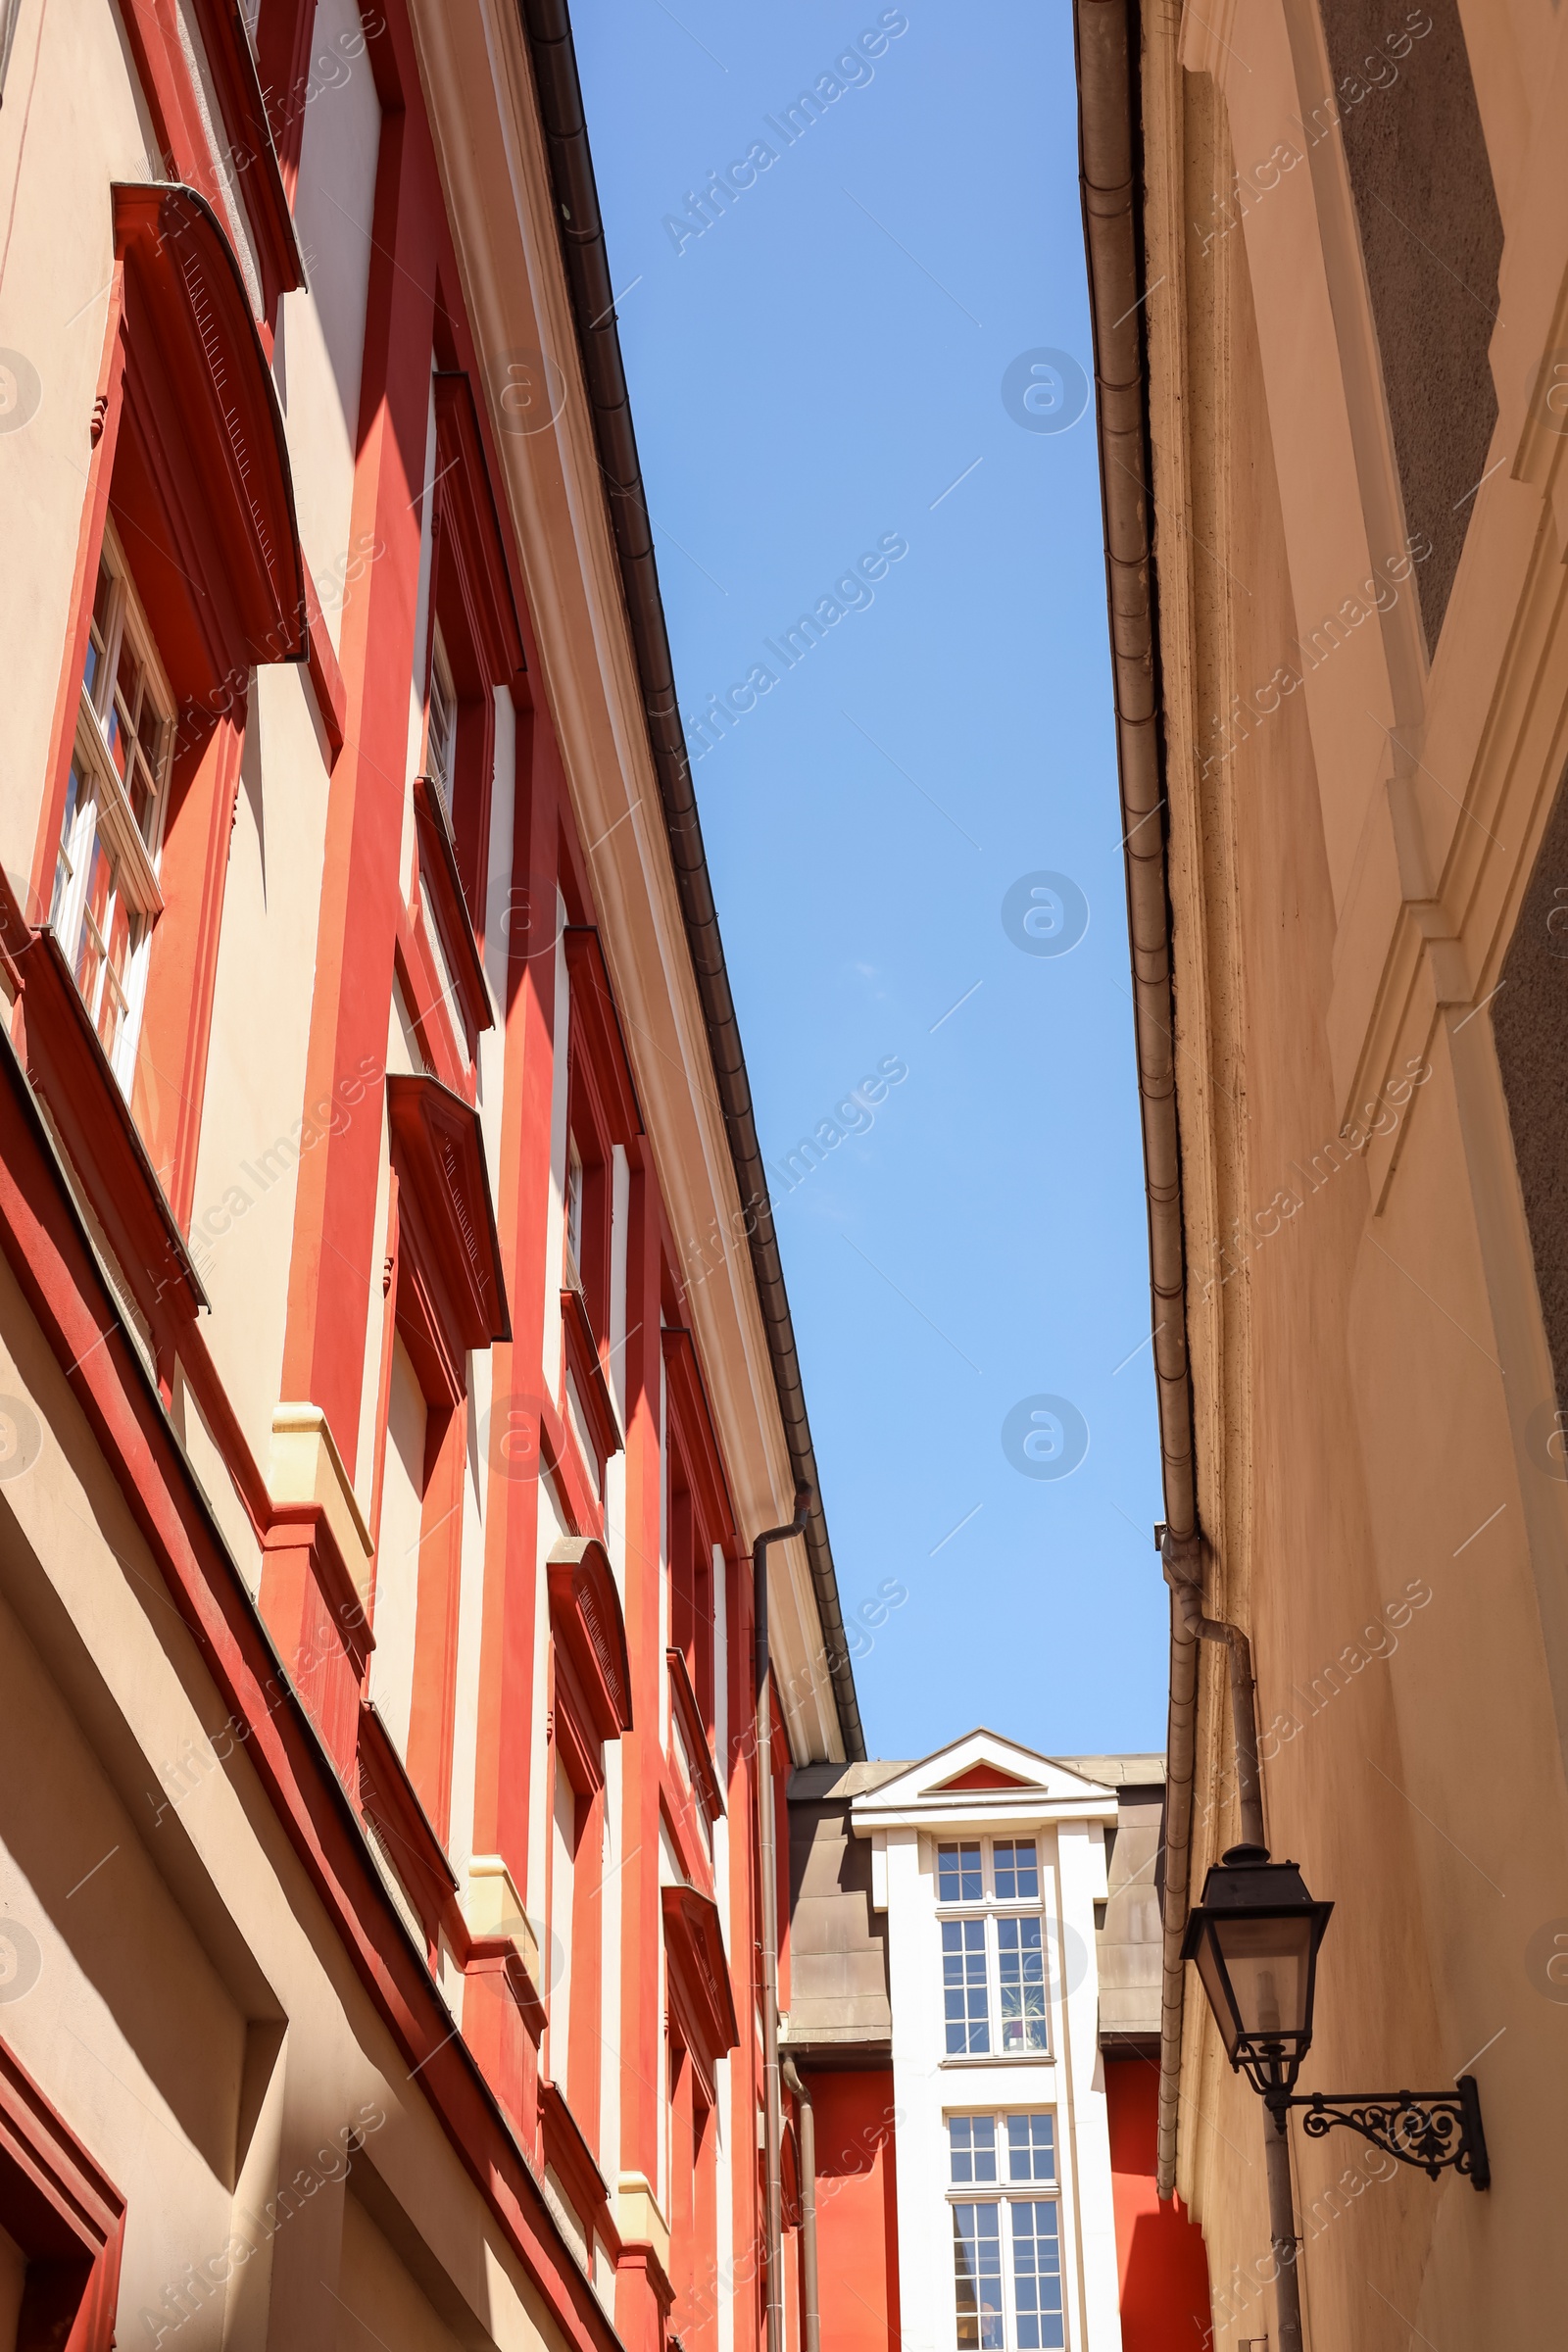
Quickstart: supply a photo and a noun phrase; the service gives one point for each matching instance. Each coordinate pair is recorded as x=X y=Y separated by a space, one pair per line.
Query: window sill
x=1003 y=2058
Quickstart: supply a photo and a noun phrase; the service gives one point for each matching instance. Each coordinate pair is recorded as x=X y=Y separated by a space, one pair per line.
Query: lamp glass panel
x=1268 y=1962
x=1214 y=1986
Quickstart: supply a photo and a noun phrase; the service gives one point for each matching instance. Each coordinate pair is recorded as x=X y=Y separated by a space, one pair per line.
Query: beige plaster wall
x=190 y=2007
x=254 y=1116
x=317 y=362
x=1365 y=1336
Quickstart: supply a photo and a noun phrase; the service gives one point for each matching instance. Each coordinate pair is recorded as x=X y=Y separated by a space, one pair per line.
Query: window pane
x=122 y=713
x=109 y=938
x=98 y=628
x=963 y=1987
x=977 y=2277
x=1021 y=1978
x=1035 y=2275
x=1017 y=1870
x=958 y=1877
x=973 y=2147
x=443 y=725
x=1031 y=2147
x=64 y=868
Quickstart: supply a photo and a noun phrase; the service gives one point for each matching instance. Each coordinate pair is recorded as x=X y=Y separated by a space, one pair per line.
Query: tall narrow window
x=977 y=2277
x=1006 y=2250
x=441 y=731
x=1021 y=1981
x=106 y=895
x=963 y=1987
x=993 y=1959
x=573 y=1214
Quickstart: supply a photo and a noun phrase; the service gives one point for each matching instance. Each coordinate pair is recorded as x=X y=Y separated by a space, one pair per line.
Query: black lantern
x=1254 y=1936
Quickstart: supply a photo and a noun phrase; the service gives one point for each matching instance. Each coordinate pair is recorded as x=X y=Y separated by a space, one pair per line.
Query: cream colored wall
x=54 y=304
x=379 y=2300
x=254 y=1115
x=316 y=363
x=1367 y=1354
x=176 y=1931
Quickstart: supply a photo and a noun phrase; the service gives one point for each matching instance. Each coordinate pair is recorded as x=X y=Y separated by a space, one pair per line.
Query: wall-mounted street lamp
x=1255 y=1937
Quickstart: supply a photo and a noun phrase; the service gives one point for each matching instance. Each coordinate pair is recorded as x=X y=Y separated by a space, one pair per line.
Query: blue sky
x=817 y=377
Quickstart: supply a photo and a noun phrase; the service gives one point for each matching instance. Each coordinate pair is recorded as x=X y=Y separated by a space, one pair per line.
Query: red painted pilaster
x=511 y=1436
x=334 y=1238
x=639 y=2307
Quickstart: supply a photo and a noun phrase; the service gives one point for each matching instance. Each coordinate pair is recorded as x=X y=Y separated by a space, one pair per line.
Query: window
x=1006 y=2250
x=993 y=1964
x=965 y=2001
x=441 y=727
x=1018 y=1871
x=958 y=1874
x=972 y=2146
x=106 y=897
x=1021 y=1976
x=573 y=1214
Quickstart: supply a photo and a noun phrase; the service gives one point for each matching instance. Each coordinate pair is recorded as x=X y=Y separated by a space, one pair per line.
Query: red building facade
x=395 y=1369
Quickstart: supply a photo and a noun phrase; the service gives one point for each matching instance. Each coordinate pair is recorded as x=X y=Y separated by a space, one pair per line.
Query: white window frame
x=103 y=805
x=992 y=1909
x=573 y=1217
x=1005 y=2193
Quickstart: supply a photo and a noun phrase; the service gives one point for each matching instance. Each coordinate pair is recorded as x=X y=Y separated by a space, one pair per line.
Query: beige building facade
x=1328 y=252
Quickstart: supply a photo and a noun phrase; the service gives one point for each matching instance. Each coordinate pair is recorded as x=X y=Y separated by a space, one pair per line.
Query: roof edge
x=547 y=27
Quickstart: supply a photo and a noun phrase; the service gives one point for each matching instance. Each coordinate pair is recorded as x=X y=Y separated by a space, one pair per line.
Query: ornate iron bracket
x=1434 y=2131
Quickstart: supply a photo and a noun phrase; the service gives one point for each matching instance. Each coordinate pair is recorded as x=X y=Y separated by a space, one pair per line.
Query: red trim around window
x=283 y=31
x=593 y=1007
x=253 y=157
x=189 y=452
x=586 y=1365
x=69 y=1067
x=684 y=1707
x=436 y=866
x=698 y=1978
x=703 y=1461
x=200 y=378
x=54 y=2199
x=586 y=1621
x=572 y=2159
x=444 y=1199
x=390 y=1802
x=153 y=29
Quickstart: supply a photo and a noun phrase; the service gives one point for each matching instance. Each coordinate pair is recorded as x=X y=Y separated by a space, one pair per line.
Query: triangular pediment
x=977 y=1772
x=980 y=1776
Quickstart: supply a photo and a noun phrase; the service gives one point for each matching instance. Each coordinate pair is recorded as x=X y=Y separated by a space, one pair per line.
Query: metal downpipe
x=813 y=2302
x=768 y=1873
x=1106 y=36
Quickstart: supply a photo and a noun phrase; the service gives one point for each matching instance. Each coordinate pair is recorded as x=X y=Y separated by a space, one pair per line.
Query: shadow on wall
x=857 y=2209
x=1161 y=2263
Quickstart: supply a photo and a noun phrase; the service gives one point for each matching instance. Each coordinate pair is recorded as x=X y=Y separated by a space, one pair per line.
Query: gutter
x=1105 y=35
x=547 y=24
